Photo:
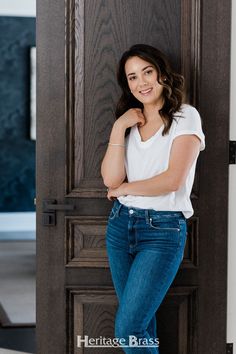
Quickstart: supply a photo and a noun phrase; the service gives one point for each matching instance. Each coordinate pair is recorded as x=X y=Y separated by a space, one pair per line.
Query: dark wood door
x=78 y=45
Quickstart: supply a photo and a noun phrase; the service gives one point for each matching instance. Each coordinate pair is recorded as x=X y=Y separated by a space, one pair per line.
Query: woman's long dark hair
x=173 y=86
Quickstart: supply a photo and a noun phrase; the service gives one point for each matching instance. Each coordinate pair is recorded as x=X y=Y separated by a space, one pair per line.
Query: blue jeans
x=145 y=248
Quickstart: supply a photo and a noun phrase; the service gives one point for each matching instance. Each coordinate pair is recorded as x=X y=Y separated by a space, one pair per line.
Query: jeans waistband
x=145 y=213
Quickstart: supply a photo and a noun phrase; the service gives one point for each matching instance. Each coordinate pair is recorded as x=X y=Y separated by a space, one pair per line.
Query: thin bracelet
x=116 y=144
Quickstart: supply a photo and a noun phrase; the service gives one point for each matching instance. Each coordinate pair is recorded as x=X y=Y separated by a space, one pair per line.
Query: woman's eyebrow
x=142 y=69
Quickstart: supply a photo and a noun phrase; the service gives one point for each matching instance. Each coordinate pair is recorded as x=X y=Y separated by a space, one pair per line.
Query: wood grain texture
x=50 y=172
x=91 y=311
x=85 y=244
x=190 y=48
x=180 y=307
x=98 y=44
x=214 y=109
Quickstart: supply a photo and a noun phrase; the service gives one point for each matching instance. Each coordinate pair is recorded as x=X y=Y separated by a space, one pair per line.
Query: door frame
x=214 y=106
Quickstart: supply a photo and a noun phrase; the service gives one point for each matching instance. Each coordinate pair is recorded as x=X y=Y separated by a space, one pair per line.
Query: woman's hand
x=131 y=117
x=114 y=193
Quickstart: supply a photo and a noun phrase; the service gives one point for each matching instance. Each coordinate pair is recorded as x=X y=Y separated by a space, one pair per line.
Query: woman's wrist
x=119 y=126
x=124 y=189
x=117 y=134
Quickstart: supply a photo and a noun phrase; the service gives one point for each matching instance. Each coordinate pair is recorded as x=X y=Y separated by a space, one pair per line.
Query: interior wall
x=17 y=150
x=18 y=225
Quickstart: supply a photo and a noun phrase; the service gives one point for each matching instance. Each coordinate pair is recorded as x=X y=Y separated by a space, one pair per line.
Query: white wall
x=22 y=8
x=18 y=226
x=231 y=311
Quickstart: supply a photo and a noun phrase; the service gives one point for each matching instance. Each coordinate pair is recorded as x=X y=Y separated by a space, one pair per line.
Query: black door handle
x=60 y=207
x=50 y=207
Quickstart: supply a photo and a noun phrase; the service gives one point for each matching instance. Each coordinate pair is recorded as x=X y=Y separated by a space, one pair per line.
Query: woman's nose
x=142 y=83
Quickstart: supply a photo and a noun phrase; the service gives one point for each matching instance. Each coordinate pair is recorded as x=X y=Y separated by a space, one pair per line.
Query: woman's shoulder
x=189 y=119
x=188 y=112
x=186 y=109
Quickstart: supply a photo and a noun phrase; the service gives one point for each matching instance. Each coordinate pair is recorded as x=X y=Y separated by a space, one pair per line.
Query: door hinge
x=229 y=348
x=232 y=152
x=50 y=207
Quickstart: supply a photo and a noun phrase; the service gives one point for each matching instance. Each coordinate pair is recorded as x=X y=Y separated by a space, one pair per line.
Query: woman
x=154 y=144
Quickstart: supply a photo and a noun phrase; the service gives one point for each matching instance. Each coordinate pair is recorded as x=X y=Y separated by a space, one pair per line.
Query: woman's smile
x=145 y=92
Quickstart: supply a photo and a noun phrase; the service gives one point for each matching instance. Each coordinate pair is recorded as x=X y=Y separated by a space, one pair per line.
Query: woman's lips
x=145 y=92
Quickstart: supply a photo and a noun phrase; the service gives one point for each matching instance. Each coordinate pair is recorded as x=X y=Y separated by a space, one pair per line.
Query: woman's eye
x=148 y=72
x=131 y=78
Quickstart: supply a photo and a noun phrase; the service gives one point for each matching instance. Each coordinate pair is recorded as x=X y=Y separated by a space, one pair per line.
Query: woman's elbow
x=176 y=184
x=107 y=183
x=112 y=183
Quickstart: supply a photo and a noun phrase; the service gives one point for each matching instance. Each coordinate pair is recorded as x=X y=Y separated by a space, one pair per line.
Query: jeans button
x=131 y=211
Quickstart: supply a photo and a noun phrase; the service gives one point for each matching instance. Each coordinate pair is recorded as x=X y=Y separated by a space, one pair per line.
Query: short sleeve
x=190 y=123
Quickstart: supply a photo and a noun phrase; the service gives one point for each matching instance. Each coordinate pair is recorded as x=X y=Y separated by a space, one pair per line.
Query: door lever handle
x=51 y=205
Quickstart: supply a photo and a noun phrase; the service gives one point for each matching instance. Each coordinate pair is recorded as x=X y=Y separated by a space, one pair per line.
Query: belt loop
x=147 y=216
x=119 y=207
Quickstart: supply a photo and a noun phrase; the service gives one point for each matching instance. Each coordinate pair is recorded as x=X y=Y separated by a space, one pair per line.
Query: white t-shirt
x=145 y=159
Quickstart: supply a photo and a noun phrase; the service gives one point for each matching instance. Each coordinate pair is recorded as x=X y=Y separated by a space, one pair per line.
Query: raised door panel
x=97 y=32
x=91 y=315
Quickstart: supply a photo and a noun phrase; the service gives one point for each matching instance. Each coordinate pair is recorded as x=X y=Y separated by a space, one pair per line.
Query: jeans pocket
x=172 y=225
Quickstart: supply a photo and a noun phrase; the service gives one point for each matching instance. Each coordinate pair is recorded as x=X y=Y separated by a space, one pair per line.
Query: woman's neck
x=151 y=113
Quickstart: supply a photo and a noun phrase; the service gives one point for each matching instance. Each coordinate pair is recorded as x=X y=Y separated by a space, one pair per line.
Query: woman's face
x=142 y=80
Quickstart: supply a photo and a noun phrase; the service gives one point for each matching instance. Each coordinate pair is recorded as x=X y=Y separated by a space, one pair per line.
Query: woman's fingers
x=142 y=119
